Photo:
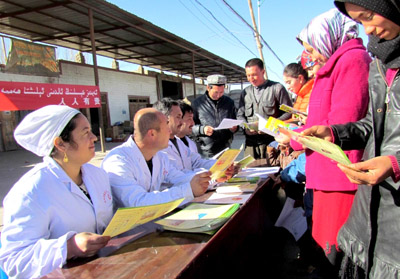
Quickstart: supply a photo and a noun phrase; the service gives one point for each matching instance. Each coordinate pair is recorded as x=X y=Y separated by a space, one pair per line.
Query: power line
x=225 y=27
x=234 y=11
x=221 y=33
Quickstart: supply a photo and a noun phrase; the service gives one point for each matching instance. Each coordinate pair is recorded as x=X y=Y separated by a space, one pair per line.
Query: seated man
x=138 y=172
x=179 y=154
x=187 y=125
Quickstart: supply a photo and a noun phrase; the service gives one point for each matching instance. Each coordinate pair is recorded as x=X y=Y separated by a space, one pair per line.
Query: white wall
x=118 y=84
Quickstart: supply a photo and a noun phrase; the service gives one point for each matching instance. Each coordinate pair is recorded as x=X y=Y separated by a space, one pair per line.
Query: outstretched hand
x=319 y=131
x=370 y=172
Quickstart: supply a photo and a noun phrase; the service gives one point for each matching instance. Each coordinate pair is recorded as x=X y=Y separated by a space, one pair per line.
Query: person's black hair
x=255 y=62
x=66 y=134
x=295 y=70
x=185 y=107
x=165 y=105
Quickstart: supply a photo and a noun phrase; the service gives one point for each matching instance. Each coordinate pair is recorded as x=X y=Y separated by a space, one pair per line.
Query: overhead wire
x=212 y=15
x=266 y=44
x=220 y=33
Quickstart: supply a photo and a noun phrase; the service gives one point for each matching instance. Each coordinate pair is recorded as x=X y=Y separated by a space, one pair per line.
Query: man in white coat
x=141 y=175
x=179 y=154
x=186 y=129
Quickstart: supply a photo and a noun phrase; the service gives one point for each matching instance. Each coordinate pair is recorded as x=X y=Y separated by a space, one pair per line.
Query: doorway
x=136 y=103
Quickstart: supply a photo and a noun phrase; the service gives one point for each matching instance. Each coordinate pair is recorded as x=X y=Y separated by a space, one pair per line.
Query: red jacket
x=339 y=95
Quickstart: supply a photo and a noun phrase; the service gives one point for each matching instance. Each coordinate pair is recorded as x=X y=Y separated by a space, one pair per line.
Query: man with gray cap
x=208 y=112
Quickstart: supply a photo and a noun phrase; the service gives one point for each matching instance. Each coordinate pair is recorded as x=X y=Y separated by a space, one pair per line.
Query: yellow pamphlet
x=245 y=161
x=321 y=146
x=251 y=125
x=223 y=162
x=270 y=126
x=127 y=218
x=291 y=110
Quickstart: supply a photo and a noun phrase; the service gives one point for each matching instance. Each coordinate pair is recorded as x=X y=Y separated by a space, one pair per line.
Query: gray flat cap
x=216 y=80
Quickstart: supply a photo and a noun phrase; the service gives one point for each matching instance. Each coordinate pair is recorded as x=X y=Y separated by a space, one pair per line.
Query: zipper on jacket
x=388 y=88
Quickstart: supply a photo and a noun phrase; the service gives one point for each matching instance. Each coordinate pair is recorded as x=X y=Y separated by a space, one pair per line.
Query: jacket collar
x=349 y=45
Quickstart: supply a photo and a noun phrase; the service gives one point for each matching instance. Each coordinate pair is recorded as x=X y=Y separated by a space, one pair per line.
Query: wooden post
x=257 y=35
x=96 y=80
x=193 y=76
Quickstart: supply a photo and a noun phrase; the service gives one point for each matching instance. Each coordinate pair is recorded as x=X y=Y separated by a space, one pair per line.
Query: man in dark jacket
x=209 y=110
x=263 y=97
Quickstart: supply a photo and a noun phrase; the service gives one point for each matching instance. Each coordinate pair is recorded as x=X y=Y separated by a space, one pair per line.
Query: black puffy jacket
x=371 y=235
x=207 y=112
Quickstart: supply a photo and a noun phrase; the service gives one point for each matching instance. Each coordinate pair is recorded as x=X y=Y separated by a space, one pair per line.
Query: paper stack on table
x=241 y=187
x=218 y=198
x=198 y=217
x=260 y=172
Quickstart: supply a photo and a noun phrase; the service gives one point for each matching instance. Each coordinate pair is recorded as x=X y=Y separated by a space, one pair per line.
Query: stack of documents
x=198 y=217
x=228 y=198
x=240 y=187
x=260 y=172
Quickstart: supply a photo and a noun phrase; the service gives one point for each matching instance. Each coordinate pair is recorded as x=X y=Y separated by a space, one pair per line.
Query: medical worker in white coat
x=57 y=210
x=141 y=175
x=179 y=154
x=187 y=124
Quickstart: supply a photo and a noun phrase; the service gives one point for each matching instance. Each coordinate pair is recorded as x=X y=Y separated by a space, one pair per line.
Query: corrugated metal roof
x=118 y=34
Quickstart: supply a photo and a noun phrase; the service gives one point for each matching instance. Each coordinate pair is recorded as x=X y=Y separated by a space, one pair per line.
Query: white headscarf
x=37 y=130
x=327 y=32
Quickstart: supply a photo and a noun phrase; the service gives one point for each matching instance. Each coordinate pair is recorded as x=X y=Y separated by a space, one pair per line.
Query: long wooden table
x=148 y=252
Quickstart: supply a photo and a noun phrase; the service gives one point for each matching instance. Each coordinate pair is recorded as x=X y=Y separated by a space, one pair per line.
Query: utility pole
x=257 y=35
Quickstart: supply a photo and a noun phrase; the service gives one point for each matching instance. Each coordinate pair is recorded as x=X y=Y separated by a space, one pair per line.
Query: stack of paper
x=198 y=217
x=241 y=187
x=237 y=179
x=260 y=172
x=218 y=198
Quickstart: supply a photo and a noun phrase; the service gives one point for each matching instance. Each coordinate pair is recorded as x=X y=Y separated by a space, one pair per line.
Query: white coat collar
x=58 y=172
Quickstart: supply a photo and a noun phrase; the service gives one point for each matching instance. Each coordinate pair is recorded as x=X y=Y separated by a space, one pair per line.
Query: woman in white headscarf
x=57 y=210
x=339 y=95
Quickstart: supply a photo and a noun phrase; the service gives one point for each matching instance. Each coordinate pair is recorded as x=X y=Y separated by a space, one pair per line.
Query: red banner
x=31 y=96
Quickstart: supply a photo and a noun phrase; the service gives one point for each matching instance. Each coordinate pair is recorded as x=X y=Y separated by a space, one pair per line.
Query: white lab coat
x=133 y=185
x=186 y=160
x=192 y=145
x=43 y=210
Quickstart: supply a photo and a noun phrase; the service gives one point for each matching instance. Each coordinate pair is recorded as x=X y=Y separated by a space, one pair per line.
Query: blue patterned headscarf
x=328 y=32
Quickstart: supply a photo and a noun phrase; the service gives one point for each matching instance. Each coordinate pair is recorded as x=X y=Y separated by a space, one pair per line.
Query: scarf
x=327 y=32
x=386 y=51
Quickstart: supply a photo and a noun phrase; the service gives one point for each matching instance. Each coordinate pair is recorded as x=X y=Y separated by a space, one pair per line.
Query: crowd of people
x=345 y=93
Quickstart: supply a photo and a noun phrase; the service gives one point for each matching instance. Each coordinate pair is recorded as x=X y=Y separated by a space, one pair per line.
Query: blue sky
x=212 y=25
